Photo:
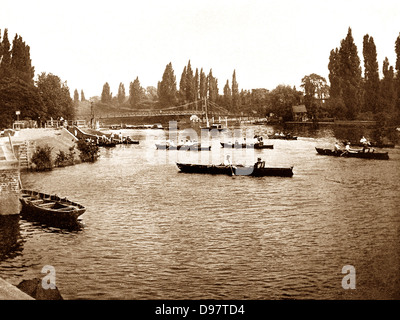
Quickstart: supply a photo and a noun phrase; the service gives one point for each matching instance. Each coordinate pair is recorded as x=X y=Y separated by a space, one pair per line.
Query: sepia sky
x=88 y=43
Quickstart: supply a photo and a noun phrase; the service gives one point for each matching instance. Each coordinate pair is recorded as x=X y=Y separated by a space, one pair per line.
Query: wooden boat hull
x=236 y=170
x=248 y=146
x=49 y=208
x=282 y=137
x=357 y=154
x=130 y=142
x=183 y=147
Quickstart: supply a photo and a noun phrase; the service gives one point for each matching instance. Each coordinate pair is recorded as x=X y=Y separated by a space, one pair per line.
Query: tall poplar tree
x=350 y=74
x=5 y=64
x=189 y=83
x=397 y=83
x=235 y=93
x=135 y=93
x=76 y=95
x=167 y=87
x=371 y=76
x=202 y=85
x=196 y=80
x=183 y=86
x=106 y=94
x=227 y=96
x=387 y=90
x=121 y=93
x=212 y=87
x=83 y=96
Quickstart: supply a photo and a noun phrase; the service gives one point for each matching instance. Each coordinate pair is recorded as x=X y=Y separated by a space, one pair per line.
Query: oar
x=231 y=169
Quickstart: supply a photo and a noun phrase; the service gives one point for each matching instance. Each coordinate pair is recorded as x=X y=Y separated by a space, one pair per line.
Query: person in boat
x=227 y=161
x=365 y=143
x=259 y=164
x=337 y=147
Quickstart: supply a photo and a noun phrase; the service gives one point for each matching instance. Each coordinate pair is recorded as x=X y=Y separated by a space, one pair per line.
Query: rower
x=259 y=164
x=228 y=161
x=365 y=144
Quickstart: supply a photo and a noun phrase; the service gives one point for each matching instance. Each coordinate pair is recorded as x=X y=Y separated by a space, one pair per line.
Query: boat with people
x=353 y=153
x=256 y=143
x=188 y=146
x=375 y=144
x=282 y=136
x=214 y=127
x=49 y=208
x=237 y=145
x=257 y=170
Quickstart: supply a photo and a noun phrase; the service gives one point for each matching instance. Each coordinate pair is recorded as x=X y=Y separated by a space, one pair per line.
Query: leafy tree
x=282 y=98
x=371 y=76
x=259 y=100
x=83 y=96
x=121 y=93
x=151 y=93
x=56 y=96
x=17 y=95
x=315 y=90
x=106 y=95
x=167 y=92
x=135 y=93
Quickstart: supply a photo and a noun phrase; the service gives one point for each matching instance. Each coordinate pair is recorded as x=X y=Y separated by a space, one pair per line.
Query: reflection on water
x=10 y=237
x=152 y=233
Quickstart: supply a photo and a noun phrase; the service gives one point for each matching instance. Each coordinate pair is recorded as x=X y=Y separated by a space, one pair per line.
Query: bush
x=63 y=159
x=89 y=151
x=42 y=158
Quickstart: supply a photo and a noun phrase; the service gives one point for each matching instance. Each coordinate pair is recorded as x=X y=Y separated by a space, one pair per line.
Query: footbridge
x=207 y=108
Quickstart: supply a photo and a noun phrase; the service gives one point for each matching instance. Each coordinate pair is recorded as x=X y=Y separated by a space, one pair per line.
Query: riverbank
x=11 y=292
x=58 y=139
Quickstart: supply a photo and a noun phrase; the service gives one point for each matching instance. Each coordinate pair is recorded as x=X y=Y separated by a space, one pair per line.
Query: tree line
x=350 y=94
x=353 y=92
x=40 y=100
x=370 y=97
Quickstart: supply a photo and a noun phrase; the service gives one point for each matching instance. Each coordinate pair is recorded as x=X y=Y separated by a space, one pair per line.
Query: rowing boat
x=237 y=170
x=49 y=208
x=282 y=137
x=354 y=153
x=184 y=147
x=257 y=145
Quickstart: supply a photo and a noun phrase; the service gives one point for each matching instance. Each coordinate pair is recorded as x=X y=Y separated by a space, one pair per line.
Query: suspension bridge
x=206 y=109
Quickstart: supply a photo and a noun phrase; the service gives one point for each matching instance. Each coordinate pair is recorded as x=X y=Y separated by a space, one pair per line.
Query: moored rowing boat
x=49 y=208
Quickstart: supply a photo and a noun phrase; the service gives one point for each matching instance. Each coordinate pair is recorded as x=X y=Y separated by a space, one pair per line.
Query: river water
x=150 y=232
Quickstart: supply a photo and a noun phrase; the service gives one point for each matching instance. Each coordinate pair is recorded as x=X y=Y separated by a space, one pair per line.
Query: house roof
x=299 y=109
